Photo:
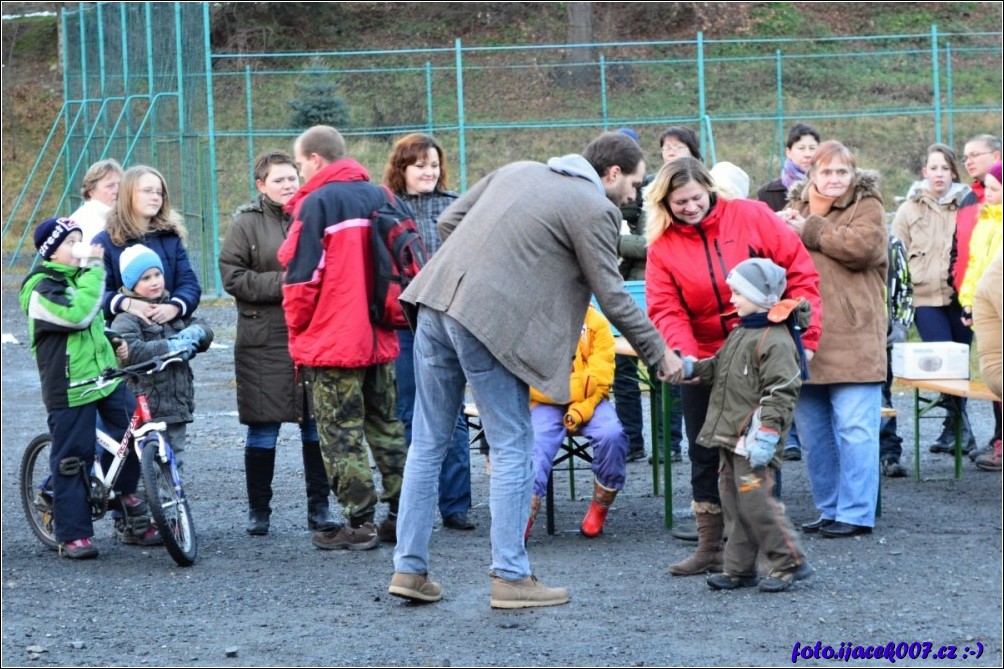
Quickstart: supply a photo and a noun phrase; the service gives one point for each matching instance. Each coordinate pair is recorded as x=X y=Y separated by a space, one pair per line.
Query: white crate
x=930 y=360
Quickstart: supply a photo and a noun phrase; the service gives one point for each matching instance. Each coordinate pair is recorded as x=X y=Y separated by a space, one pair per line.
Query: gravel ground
x=931 y=573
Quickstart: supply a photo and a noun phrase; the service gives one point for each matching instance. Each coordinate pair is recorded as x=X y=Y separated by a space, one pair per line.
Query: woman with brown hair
x=416 y=172
x=269 y=392
x=838 y=213
x=143 y=215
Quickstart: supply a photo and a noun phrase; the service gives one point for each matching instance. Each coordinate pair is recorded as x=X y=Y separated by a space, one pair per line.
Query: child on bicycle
x=171 y=393
x=62 y=298
x=756 y=377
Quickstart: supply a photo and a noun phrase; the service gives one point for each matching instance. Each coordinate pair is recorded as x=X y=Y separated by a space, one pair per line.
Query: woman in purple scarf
x=803 y=140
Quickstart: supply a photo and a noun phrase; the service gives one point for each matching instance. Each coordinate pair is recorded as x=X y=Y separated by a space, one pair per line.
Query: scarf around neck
x=791 y=173
x=819 y=204
x=765 y=319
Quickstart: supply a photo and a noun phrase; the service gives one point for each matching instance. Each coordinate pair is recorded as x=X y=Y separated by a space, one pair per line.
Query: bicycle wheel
x=168 y=506
x=36 y=490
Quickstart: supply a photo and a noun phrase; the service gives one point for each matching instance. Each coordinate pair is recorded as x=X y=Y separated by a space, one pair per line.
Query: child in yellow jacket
x=590 y=414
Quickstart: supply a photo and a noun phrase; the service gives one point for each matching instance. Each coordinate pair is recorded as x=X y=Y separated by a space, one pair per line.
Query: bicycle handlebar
x=152 y=366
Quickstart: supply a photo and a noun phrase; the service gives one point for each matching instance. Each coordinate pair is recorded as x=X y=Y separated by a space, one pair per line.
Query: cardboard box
x=930 y=360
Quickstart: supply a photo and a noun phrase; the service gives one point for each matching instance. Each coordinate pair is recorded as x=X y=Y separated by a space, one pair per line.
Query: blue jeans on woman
x=447 y=358
x=839 y=426
x=265 y=435
x=455 y=476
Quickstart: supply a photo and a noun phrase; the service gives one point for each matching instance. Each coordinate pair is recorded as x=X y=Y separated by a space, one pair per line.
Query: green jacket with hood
x=66 y=331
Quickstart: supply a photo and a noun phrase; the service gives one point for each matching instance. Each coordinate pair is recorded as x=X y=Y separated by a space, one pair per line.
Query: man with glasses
x=980 y=154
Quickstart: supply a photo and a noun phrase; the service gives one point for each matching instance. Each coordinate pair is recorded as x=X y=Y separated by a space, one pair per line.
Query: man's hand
x=122 y=351
x=670 y=368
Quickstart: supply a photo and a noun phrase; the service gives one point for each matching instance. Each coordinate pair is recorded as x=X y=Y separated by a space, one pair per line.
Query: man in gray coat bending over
x=501 y=306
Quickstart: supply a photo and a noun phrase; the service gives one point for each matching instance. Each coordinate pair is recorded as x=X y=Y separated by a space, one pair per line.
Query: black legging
x=703 y=461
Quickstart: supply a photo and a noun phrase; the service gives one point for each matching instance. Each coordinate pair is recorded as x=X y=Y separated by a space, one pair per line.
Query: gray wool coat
x=524 y=249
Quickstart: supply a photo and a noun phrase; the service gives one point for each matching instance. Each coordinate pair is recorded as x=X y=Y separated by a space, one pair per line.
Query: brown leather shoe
x=361 y=538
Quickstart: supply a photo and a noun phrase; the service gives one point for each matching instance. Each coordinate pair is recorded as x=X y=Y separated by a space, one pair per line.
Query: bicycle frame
x=140 y=425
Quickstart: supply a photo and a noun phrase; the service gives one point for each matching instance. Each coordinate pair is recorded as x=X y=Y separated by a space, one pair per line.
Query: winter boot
x=259 y=466
x=534 y=508
x=710 y=552
x=991 y=462
x=603 y=497
x=968 y=441
x=946 y=440
x=387 y=530
x=319 y=516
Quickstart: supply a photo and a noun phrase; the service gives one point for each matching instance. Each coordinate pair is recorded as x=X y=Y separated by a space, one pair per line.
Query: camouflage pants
x=348 y=405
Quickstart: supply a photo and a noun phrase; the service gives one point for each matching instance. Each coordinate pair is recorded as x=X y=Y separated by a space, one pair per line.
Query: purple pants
x=605 y=434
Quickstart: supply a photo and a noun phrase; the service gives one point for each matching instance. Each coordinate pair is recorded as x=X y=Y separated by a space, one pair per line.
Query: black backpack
x=398 y=255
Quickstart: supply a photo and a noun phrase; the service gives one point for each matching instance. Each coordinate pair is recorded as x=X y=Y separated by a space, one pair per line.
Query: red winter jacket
x=329 y=269
x=685 y=289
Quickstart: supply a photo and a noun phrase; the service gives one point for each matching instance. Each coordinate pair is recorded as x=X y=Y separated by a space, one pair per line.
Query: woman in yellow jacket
x=589 y=414
x=986 y=242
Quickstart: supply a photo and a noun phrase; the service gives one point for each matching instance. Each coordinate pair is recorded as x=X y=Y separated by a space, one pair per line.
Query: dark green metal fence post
x=603 y=92
x=780 y=103
x=949 y=93
x=428 y=96
x=936 y=80
x=702 y=102
x=250 y=117
x=214 y=209
x=461 y=131
x=125 y=69
x=149 y=80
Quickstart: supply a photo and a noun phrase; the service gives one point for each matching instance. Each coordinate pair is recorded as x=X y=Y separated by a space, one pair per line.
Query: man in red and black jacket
x=326 y=290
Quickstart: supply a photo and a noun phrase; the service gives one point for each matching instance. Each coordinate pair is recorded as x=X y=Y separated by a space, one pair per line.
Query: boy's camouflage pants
x=350 y=403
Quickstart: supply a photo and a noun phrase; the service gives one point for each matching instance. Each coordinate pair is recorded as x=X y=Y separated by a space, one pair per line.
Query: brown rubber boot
x=534 y=508
x=710 y=552
x=603 y=497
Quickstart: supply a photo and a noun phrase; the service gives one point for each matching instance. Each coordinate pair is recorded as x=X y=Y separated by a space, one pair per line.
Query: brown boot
x=603 y=497
x=710 y=552
x=534 y=508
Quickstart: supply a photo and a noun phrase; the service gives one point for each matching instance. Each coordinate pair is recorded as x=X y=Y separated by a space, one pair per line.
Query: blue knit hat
x=630 y=133
x=50 y=233
x=136 y=260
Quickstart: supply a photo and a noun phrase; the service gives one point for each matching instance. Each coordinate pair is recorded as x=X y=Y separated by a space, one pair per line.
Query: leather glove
x=897 y=335
x=763 y=448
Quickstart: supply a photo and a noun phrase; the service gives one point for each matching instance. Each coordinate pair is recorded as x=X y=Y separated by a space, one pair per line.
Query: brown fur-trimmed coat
x=849 y=247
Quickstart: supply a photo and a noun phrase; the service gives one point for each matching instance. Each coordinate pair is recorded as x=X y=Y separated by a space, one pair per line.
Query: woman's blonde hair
x=96 y=173
x=672 y=176
x=124 y=225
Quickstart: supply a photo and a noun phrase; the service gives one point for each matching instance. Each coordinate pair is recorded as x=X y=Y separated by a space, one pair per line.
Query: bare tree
x=580 y=31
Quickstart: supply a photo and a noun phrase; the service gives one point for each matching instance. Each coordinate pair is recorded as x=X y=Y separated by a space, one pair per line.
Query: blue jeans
x=839 y=426
x=448 y=357
x=455 y=476
x=265 y=435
